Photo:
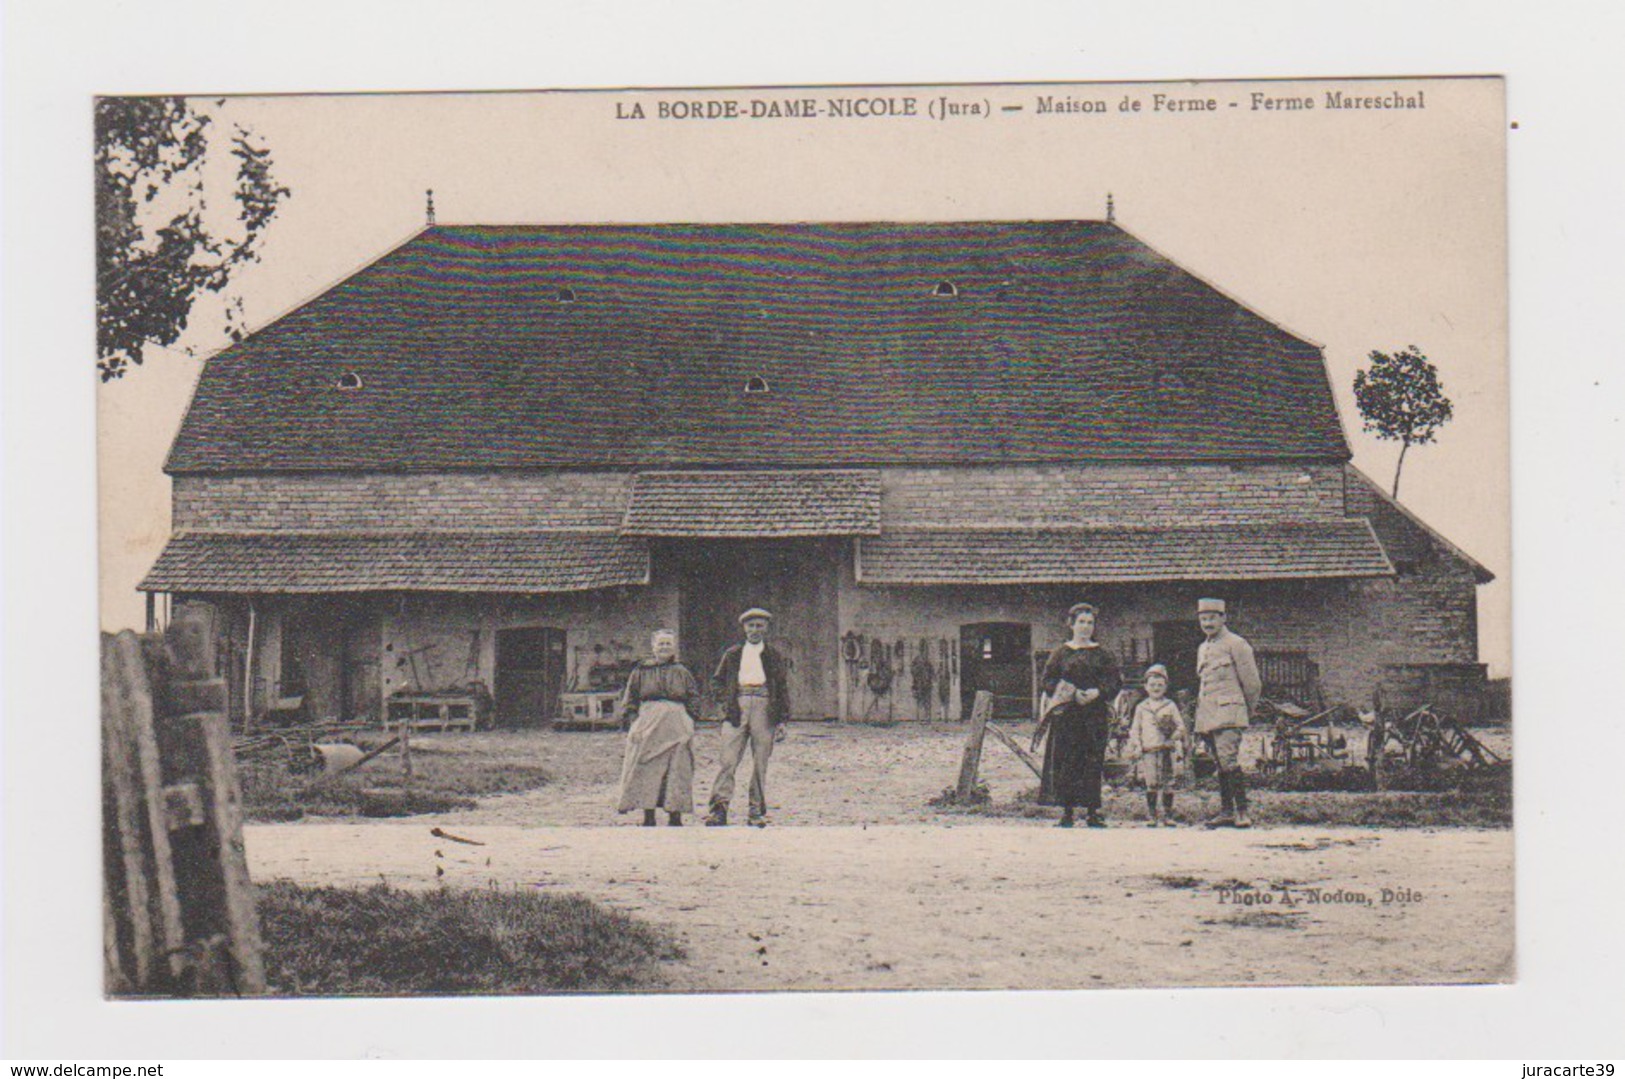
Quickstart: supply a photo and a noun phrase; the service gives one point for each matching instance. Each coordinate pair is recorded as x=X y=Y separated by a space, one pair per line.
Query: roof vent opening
x=945 y=288
x=349 y=381
x=756 y=384
x=1179 y=380
x=565 y=295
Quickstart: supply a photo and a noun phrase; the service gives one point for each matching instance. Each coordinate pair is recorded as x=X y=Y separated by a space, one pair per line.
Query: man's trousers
x=756 y=734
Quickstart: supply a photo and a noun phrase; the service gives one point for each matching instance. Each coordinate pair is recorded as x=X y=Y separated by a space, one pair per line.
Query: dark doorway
x=1174 y=645
x=529 y=675
x=997 y=657
x=320 y=641
x=795 y=579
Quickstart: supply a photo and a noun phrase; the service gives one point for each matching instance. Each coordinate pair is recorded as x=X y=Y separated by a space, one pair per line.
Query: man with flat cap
x=1230 y=687
x=751 y=682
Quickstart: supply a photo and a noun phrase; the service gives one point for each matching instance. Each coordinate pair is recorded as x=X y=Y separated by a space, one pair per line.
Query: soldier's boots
x=1238 y=794
x=717 y=818
x=1226 y=817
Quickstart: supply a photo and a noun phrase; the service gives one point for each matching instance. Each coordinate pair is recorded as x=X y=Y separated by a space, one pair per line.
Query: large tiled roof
x=423 y=561
x=1103 y=556
x=632 y=346
x=763 y=505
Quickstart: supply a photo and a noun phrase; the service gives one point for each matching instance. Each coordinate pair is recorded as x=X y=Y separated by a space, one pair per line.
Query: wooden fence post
x=144 y=920
x=975 y=733
x=1016 y=747
x=178 y=903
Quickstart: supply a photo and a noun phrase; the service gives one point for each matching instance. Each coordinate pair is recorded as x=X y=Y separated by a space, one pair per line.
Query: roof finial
x=429 y=211
x=1111 y=208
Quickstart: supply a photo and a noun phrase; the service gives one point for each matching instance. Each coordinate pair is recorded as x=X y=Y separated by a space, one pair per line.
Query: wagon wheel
x=1376 y=742
x=1426 y=743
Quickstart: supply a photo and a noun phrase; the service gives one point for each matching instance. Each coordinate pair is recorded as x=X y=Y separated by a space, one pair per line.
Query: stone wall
x=1061 y=495
x=343 y=502
x=1086 y=495
x=1351 y=629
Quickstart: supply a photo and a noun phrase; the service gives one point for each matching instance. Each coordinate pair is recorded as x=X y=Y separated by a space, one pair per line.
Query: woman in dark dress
x=1081 y=680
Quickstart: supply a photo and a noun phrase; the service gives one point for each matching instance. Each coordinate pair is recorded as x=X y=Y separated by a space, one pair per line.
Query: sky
x=1356 y=229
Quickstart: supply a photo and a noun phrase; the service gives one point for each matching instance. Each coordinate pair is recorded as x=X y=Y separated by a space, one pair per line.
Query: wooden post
x=139 y=884
x=178 y=906
x=975 y=733
x=1017 y=748
x=406 y=751
x=1378 y=756
x=206 y=811
x=248 y=674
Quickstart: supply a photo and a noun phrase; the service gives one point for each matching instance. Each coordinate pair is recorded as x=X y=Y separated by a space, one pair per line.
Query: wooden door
x=529 y=675
x=1174 y=645
x=996 y=656
x=315 y=662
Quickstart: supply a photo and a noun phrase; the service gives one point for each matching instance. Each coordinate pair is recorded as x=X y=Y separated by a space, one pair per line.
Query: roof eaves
x=1481 y=573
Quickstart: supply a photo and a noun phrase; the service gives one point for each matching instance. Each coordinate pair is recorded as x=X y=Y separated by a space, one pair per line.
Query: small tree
x=1401 y=400
x=160 y=245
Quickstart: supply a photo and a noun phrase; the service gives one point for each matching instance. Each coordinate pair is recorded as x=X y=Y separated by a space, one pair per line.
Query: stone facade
x=1351 y=629
x=1016 y=496
x=1082 y=496
x=369 y=502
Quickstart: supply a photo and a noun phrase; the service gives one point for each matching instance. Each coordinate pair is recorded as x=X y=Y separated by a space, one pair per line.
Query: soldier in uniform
x=1230 y=686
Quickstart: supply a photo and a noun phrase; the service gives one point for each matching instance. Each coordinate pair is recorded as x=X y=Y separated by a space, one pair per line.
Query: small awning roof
x=310 y=562
x=755 y=505
x=1329 y=549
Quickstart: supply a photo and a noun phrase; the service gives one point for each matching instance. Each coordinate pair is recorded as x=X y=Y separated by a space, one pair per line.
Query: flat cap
x=1210 y=606
x=755 y=612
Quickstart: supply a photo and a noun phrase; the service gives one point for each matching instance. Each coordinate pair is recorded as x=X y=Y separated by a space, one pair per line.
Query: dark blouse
x=653 y=680
x=1087 y=668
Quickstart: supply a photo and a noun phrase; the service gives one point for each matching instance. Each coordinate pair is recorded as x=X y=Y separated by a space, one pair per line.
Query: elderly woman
x=658 y=771
x=1080 y=681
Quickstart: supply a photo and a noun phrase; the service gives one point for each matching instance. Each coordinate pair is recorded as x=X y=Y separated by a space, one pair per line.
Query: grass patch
x=1479 y=800
x=1180 y=881
x=949 y=798
x=449 y=772
x=385 y=941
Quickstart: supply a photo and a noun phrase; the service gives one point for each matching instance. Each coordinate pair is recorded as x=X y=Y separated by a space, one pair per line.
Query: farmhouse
x=496 y=458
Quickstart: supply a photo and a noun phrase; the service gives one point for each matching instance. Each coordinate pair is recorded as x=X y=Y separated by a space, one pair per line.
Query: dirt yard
x=889 y=893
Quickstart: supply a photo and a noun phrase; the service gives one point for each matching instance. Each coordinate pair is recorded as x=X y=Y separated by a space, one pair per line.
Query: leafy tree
x=1401 y=400
x=159 y=246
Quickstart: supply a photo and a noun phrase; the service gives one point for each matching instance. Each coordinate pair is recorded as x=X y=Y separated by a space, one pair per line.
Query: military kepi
x=1210 y=606
x=756 y=612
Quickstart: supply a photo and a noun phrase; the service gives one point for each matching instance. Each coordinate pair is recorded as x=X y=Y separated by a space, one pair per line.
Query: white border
x=1566 y=249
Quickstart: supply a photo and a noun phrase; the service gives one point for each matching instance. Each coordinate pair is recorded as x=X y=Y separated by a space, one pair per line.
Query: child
x=1162 y=742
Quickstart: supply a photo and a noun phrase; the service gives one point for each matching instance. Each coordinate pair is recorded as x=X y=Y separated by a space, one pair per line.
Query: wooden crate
x=588 y=710
x=436 y=712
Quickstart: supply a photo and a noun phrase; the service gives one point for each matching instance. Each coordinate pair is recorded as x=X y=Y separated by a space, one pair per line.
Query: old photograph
x=958 y=537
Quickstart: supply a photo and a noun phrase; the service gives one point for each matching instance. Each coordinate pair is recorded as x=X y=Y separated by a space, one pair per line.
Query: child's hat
x=1158 y=670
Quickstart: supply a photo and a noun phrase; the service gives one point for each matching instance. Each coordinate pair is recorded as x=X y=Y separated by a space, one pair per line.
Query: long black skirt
x=1074 y=757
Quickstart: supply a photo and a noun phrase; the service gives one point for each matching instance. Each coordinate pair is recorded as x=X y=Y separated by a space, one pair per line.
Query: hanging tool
x=922 y=676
